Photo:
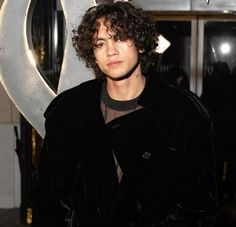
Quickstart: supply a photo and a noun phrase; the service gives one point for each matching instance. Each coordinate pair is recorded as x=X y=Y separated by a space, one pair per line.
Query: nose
x=112 y=48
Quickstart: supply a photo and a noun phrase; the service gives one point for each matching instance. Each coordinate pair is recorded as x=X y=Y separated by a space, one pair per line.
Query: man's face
x=114 y=57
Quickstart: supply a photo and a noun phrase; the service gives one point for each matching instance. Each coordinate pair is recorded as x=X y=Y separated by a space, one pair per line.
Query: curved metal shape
x=73 y=71
x=18 y=73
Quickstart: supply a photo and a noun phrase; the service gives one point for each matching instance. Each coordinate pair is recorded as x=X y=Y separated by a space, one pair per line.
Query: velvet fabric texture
x=168 y=177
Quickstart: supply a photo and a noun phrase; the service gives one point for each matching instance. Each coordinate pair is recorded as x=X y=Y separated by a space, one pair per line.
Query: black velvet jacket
x=168 y=178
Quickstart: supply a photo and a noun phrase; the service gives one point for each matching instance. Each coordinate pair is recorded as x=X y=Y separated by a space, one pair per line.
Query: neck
x=128 y=88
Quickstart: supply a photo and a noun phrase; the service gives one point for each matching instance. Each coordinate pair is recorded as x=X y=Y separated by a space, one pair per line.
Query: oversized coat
x=168 y=179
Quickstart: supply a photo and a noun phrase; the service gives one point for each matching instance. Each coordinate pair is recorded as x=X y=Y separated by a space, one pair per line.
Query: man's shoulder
x=171 y=98
x=65 y=100
x=188 y=103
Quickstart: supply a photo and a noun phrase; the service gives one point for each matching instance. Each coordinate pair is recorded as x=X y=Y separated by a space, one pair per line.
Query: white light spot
x=225 y=48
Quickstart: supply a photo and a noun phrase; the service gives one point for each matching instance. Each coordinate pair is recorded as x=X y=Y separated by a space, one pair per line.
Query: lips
x=113 y=63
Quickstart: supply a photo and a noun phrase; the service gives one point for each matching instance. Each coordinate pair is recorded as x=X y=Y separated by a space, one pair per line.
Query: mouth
x=113 y=63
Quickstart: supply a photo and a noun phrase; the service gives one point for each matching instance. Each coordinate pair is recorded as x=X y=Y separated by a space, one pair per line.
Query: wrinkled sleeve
x=196 y=195
x=52 y=203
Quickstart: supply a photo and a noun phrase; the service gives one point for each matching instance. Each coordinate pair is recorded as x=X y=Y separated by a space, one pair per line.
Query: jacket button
x=146 y=155
x=172 y=149
x=138 y=206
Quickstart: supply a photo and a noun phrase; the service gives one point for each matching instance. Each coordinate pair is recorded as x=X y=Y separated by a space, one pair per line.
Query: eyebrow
x=103 y=38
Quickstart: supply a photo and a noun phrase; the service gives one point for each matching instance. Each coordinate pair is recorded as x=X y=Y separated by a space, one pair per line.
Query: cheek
x=134 y=54
x=96 y=57
x=131 y=49
x=99 y=56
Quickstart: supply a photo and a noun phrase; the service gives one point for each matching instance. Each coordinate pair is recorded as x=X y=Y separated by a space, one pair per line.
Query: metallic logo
x=18 y=73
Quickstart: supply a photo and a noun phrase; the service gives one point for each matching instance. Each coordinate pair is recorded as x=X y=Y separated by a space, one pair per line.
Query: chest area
x=138 y=142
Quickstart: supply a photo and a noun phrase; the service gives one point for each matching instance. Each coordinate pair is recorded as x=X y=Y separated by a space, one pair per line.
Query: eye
x=98 y=45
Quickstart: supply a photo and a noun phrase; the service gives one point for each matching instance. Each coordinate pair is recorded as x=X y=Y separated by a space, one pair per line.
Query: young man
x=124 y=149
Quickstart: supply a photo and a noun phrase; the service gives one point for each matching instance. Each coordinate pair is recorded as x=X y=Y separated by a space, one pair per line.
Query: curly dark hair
x=127 y=21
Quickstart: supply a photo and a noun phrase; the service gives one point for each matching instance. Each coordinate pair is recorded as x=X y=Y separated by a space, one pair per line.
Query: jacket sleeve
x=195 y=200
x=52 y=202
x=196 y=195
